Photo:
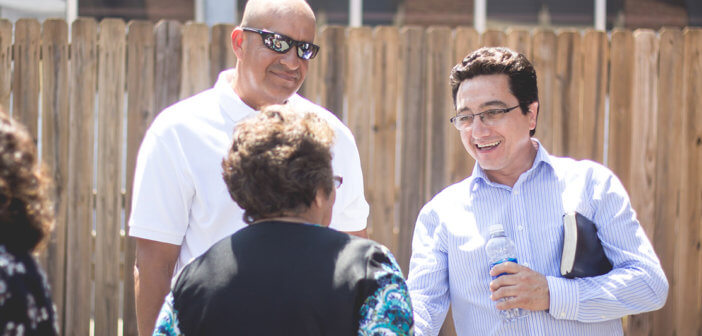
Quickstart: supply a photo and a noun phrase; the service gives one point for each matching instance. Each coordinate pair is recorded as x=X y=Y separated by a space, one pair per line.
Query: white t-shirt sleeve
x=162 y=192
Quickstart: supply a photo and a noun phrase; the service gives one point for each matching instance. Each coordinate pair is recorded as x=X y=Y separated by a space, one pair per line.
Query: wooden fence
x=632 y=100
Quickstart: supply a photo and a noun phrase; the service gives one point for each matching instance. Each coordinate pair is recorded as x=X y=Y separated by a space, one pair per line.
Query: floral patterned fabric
x=25 y=299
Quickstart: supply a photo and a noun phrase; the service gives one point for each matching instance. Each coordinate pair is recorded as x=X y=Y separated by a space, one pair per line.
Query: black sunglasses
x=281 y=43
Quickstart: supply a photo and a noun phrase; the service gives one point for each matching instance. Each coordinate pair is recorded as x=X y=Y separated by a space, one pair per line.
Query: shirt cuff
x=564 y=298
x=155 y=235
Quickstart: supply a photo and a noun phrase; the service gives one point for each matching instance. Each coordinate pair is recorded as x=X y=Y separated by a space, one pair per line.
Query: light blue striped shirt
x=449 y=263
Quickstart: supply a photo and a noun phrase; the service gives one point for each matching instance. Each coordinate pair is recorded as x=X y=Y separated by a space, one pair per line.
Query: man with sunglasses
x=180 y=205
x=517 y=184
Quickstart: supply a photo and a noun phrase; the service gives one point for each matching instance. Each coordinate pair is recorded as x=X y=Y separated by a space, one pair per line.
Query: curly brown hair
x=277 y=162
x=26 y=210
x=499 y=60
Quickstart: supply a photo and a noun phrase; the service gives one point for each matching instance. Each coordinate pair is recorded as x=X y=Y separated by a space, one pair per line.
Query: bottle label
x=514 y=260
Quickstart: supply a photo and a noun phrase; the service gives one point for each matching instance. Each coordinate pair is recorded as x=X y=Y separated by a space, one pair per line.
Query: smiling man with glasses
x=180 y=203
x=516 y=183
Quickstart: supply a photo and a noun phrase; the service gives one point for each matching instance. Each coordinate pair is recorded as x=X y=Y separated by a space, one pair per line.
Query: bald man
x=180 y=204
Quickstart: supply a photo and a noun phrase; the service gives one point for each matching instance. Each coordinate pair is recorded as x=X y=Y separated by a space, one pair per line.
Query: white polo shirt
x=179 y=194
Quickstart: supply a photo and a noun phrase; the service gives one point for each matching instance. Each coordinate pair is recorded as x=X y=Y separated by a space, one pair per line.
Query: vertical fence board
x=566 y=104
x=492 y=38
x=519 y=40
x=359 y=50
x=108 y=207
x=459 y=162
x=310 y=87
x=332 y=58
x=690 y=256
x=642 y=169
x=141 y=48
x=668 y=175
x=25 y=84
x=55 y=122
x=439 y=61
x=590 y=139
x=196 y=60
x=544 y=51
x=5 y=64
x=382 y=180
x=221 y=54
x=412 y=79
x=83 y=72
x=168 y=63
x=620 y=109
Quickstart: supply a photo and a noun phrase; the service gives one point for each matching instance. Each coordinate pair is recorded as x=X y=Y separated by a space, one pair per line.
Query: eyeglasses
x=489 y=118
x=338 y=180
x=281 y=43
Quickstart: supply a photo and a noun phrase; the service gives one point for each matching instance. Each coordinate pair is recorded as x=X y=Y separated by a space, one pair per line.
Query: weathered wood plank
x=566 y=106
x=381 y=190
x=169 y=54
x=412 y=118
x=519 y=40
x=590 y=139
x=83 y=76
x=493 y=38
x=332 y=59
x=221 y=54
x=642 y=169
x=55 y=126
x=25 y=84
x=544 y=50
x=620 y=109
x=439 y=58
x=196 y=59
x=141 y=46
x=5 y=64
x=111 y=75
x=668 y=182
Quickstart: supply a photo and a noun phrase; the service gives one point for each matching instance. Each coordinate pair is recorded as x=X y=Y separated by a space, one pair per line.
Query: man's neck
x=510 y=178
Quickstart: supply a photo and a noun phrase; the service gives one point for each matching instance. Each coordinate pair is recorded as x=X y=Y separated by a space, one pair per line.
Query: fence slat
x=492 y=38
x=620 y=99
x=196 y=60
x=519 y=40
x=412 y=79
x=668 y=182
x=83 y=71
x=381 y=192
x=5 y=64
x=590 y=139
x=544 y=50
x=359 y=50
x=141 y=48
x=25 y=84
x=331 y=69
x=168 y=63
x=221 y=54
x=439 y=58
x=690 y=234
x=566 y=104
x=644 y=137
x=458 y=161
x=55 y=122
x=108 y=207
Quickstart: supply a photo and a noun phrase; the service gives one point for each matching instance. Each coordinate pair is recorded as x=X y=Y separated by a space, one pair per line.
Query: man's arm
x=153 y=270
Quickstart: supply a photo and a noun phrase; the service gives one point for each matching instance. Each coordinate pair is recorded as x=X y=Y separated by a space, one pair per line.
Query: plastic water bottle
x=499 y=249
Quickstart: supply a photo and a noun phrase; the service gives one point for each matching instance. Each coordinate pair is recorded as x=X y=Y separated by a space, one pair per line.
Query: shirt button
x=526 y=264
x=562 y=314
x=516 y=192
x=520 y=227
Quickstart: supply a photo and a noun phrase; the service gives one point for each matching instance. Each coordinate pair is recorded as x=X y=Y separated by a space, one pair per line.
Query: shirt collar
x=542 y=159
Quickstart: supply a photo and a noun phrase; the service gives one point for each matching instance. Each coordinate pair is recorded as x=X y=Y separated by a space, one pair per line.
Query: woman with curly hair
x=287 y=273
x=26 y=217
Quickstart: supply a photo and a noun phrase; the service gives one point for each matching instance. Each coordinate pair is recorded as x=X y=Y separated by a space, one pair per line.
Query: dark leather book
x=583 y=255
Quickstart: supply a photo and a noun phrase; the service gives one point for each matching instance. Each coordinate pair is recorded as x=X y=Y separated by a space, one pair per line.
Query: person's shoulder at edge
x=327 y=115
x=567 y=167
x=181 y=114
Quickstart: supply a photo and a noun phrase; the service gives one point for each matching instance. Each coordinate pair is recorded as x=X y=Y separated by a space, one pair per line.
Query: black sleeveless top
x=278 y=278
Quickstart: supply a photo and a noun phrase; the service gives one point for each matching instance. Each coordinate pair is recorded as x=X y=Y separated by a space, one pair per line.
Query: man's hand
x=152 y=280
x=524 y=287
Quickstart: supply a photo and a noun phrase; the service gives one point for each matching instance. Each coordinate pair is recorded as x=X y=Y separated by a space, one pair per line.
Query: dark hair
x=277 y=161
x=498 y=60
x=26 y=211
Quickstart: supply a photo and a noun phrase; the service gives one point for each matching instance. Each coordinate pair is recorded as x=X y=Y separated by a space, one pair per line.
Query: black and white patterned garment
x=25 y=300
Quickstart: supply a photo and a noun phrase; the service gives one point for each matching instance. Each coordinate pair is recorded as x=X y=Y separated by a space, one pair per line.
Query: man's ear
x=237 y=41
x=533 y=114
